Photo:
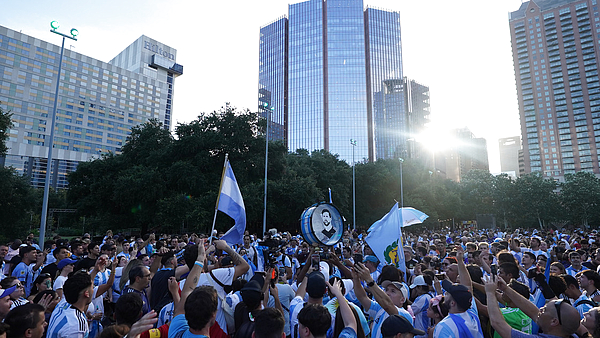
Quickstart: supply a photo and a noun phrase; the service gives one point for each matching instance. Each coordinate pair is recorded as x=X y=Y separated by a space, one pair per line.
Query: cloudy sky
x=460 y=49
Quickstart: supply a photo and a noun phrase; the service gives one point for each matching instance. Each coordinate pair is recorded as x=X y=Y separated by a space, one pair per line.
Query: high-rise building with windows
x=555 y=52
x=465 y=154
x=98 y=102
x=509 y=155
x=332 y=72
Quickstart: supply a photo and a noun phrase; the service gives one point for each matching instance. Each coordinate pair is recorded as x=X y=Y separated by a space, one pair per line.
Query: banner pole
x=218 y=197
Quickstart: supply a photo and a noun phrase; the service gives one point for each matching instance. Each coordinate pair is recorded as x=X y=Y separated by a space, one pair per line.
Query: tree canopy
x=169 y=182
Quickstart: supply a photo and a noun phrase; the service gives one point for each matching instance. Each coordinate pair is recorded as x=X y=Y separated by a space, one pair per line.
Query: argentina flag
x=232 y=204
x=385 y=239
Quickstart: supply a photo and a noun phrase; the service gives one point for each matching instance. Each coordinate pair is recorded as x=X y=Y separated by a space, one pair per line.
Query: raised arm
x=345 y=310
x=307 y=264
x=380 y=296
x=463 y=274
x=275 y=294
x=41 y=257
x=496 y=317
x=485 y=265
x=521 y=302
x=301 y=292
x=181 y=270
x=343 y=269
x=174 y=289
x=241 y=266
x=192 y=280
x=157 y=261
x=105 y=287
x=360 y=292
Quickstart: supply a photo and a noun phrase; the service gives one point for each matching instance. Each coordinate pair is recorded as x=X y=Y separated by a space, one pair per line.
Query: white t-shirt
x=116 y=292
x=59 y=282
x=225 y=276
x=67 y=322
x=165 y=315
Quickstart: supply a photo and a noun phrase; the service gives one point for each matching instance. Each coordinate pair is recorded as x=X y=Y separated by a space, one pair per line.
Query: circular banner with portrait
x=322 y=224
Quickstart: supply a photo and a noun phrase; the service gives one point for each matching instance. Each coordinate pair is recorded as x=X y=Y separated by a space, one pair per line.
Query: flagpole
x=401 y=245
x=218 y=197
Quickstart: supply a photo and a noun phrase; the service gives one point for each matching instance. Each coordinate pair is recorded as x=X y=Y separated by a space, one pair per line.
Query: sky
x=460 y=49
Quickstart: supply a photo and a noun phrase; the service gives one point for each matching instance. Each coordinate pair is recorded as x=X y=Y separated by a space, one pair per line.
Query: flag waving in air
x=232 y=204
x=385 y=239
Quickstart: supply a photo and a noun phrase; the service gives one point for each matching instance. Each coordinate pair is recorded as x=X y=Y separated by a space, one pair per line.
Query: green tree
x=477 y=188
x=17 y=202
x=5 y=124
x=536 y=199
x=503 y=194
x=580 y=195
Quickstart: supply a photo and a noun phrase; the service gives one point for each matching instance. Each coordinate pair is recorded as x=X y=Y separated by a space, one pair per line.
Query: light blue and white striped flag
x=385 y=239
x=232 y=204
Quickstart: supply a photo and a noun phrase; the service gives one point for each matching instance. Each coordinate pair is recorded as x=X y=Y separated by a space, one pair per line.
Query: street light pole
x=353 y=143
x=74 y=33
x=401 y=187
x=268 y=113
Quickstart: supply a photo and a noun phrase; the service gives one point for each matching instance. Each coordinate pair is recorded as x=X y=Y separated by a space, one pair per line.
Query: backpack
x=245 y=330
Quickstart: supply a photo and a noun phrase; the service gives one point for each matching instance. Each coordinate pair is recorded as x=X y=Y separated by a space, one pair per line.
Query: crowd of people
x=461 y=283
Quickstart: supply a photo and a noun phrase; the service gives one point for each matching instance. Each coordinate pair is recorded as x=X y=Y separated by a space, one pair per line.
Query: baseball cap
x=226 y=261
x=251 y=292
x=64 y=262
x=419 y=280
x=316 y=286
x=370 y=258
x=459 y=293
x=7 y=292
x=398 y=324
x=398 y=286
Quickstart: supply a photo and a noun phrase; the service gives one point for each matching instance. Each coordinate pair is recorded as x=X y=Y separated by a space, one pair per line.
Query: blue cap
x=65 y=262
x=7 y=292
x=370 y=258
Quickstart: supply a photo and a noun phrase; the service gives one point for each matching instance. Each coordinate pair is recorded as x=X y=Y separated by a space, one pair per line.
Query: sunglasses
x=18 y=285
x=557 y=306
x=445 y=264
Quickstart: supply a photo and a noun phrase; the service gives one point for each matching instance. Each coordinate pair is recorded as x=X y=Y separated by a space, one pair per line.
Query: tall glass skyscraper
x=338 y=77
x=272 y=90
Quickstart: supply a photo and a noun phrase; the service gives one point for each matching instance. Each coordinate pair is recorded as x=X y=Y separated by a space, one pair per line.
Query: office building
x=332 y=72
x=509 y=155
x=98 y=102
x=555 y=57
x=466 y=153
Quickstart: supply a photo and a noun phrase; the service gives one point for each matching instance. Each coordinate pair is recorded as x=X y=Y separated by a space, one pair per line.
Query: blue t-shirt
x=419 y=308
x=347 y=333
x=379 y=315
x=26 y=275
x=178 y=324
x=447 y=327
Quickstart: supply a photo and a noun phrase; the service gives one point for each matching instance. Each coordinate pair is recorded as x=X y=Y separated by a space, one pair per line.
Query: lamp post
x=74 y=32
x=353 y=143
x=401 y=187
x=268 y=113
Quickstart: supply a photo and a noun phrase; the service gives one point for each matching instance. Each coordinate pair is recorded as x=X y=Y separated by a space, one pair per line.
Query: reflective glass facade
x=385 y=77
x=307 y=106
x=98 y=102
x=272 y=77
x=554 y=45
x=344 y=79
